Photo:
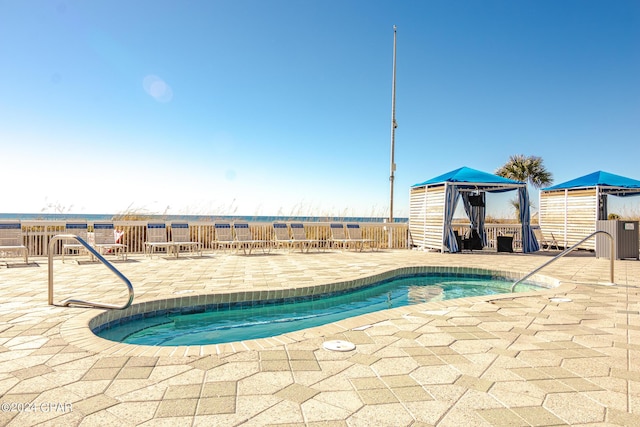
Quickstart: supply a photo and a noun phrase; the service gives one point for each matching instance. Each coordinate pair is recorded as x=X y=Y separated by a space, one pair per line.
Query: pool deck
x=509 y=360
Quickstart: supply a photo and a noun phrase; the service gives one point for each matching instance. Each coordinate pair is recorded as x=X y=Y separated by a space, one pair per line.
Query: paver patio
x=514 y=360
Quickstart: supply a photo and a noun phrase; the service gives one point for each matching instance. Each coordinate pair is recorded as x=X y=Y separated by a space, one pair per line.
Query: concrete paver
x=518 y=359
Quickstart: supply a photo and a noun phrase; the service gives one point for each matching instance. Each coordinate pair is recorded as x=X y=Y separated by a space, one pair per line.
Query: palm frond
x=529 y=169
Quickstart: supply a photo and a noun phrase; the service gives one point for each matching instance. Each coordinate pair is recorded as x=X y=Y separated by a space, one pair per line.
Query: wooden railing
x=38 y=234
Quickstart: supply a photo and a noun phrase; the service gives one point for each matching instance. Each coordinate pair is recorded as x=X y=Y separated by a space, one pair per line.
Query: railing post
x=612 y=257
x=100 y=258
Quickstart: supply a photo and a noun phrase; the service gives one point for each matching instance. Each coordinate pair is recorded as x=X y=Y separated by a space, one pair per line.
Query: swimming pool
x=222 y=323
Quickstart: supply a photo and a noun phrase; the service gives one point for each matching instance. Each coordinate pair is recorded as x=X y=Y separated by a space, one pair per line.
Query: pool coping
x=78 y=330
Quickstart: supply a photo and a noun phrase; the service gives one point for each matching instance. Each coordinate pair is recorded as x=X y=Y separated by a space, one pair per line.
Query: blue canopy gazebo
x=433 y=203
x=570 y=210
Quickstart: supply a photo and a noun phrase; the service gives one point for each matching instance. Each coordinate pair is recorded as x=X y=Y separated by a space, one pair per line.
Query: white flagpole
x=394 y=125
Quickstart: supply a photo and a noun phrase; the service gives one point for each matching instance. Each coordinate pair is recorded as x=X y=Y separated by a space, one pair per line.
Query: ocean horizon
x=42 y=216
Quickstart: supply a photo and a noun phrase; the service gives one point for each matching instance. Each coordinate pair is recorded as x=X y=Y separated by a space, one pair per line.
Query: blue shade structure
x=469 y=185
x=466 y=177
x=570 y=211
x=609 y=183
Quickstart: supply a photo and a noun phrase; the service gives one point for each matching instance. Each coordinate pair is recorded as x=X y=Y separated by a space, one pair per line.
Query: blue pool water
x=229 y=324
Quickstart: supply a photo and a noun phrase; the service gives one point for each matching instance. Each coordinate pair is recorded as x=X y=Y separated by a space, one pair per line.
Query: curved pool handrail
x=566 y=251
x=100 y=258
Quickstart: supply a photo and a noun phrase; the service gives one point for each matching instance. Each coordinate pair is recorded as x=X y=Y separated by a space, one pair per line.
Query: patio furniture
x=472 y=241
x=554 y=240
x=300 y=236
x=281 y=236
x=339 y=236
x=354 y=234
x=545 y=244
x=181 y=238
x=11 y=239
x=71 y=246
x=504 y=243
x=104 y=236
x=224 y=236
x=157 y=239
x=246 y=241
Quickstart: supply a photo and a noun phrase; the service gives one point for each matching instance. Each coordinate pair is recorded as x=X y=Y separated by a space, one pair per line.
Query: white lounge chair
x=245 y=240
x=281 y=235
x=554 y=241
x=72 y=246
x=224 y=236
x=300 y=236
x=354 y=234
x=157 y=239
x=181 y=238
x=339 y=236
x=545 y=244
x=11 y=239
x=104 y=236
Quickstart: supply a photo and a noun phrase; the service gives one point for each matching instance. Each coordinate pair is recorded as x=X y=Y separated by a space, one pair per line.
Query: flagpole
x=394 y=125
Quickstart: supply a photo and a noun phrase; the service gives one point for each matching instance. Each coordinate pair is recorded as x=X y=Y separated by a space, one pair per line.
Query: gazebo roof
x=608 y=183
x=472 y=178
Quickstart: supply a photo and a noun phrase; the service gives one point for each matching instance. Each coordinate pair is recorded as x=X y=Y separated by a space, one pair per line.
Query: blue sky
x=284 y=107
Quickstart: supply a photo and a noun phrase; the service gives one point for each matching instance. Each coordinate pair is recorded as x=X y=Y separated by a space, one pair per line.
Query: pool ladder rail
x=93 y=252
x=612 y=257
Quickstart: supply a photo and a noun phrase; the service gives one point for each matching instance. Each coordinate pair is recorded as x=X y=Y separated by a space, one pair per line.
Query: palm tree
x=528 y=169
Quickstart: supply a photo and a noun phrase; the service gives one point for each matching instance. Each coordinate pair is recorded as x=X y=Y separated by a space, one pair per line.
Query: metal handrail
x=566 y=251
x=100 y=258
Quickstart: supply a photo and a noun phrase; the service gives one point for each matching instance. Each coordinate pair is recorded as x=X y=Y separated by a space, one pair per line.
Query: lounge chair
x=545 y=244
x=281 y=236
x=300 y=236
x=11 y=239
x=157 y=239
x=73 y=246
x=104 y=236
x=339 y=236
x=245 y=240
x=181 y=238
x=224 y=236
x=554 y=241
x=354 y=234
